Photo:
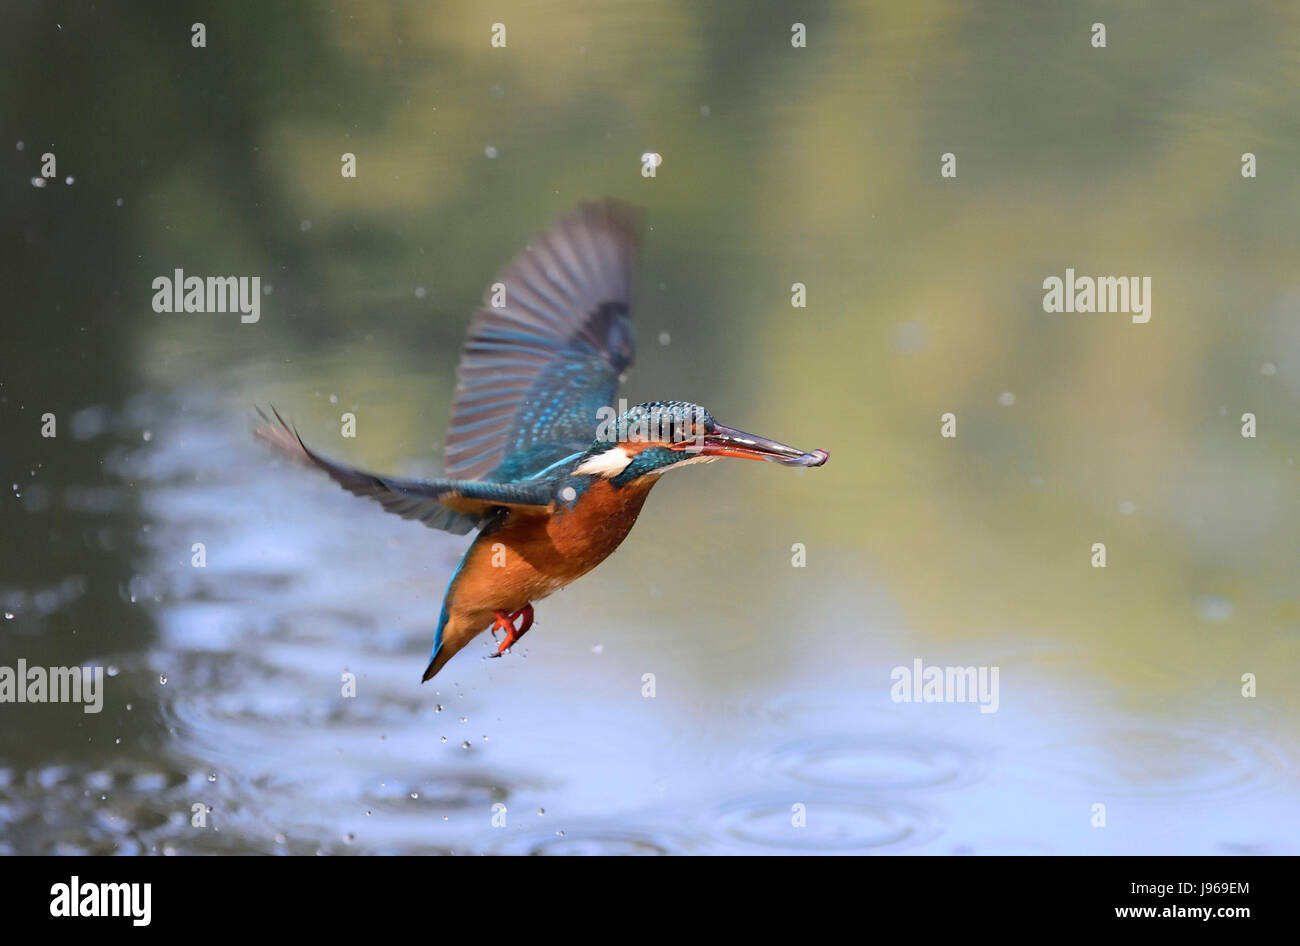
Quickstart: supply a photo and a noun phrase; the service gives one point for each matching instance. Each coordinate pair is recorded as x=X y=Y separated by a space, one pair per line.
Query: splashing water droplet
x=1214 y=608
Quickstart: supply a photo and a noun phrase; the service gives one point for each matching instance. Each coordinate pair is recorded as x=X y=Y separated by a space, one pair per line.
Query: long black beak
x=725 y=442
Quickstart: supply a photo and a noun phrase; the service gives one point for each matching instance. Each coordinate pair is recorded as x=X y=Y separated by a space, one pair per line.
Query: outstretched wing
x=456 y=506
x=536 y=369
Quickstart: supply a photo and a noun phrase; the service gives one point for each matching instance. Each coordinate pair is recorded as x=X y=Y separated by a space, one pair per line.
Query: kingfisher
x=537 y=457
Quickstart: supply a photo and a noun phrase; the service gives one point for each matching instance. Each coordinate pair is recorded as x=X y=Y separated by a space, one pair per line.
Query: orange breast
x=530 y=557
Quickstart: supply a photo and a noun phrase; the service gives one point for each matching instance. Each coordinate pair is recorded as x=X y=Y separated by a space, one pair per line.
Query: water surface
x=1118 y=687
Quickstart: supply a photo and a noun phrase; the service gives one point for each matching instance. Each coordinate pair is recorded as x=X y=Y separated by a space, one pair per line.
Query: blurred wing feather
x=534 y=372
x=455 y=506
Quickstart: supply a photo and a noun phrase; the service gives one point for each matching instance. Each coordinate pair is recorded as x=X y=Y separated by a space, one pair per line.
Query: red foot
x=506 y=622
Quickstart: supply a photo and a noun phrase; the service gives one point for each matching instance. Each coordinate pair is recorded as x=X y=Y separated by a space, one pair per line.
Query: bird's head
x=658 y=436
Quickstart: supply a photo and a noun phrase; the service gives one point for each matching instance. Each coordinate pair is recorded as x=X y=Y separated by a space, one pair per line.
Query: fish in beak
x=726 y=442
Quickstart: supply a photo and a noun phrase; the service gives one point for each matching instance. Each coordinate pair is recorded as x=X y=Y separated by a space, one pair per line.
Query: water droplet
x=540 y=812
x=442 y=739
x=305 y=226
x=212 y=776
x=1214 y=608
x=438 y=708
x=280 y=839
x=69 y=179
x=705 y=111
x=38 y=182
x=120 y=202
x=112 y=671
x=1268 y=369
x=9 y=615
x=569 y=494
x=162 y=677
x=665 y=338
x=334 y=398
x=464 y=719
x=598 y=649
x=147 y=435
x=415 y=794
x=1126 y=508
x=651 y=159
x=419 y=292
x=1006 y=399
x=349 y=838
x=465 y=745
x=490 y=151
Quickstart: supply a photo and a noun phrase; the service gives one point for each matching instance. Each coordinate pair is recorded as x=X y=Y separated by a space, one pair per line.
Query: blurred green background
x=818 y=165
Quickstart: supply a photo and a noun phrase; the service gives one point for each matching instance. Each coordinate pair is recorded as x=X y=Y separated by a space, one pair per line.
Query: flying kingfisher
x=537 y=459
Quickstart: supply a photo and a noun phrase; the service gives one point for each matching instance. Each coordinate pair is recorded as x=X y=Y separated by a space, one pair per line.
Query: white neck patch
x=608 y=464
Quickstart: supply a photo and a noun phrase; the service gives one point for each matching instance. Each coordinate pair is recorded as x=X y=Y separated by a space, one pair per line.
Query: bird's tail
x=458 y=631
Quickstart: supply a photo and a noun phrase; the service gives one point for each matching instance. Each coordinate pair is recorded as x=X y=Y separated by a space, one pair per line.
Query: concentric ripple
x=874 y=763
x=825 y=825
